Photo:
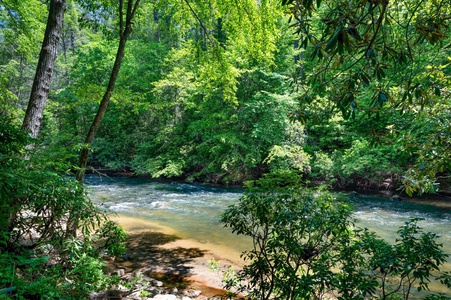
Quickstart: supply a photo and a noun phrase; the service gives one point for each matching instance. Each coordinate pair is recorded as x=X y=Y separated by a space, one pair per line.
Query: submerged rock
x=396 y=198
x=155 y=282
x=192 y=293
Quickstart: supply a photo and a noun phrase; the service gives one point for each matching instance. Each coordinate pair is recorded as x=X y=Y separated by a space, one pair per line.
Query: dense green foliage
x=39 y=257
x=385 y=63
x=305 y=246
x=221 y=93
x=354 y=94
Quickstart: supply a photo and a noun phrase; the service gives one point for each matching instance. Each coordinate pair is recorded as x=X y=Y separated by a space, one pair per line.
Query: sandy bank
x=177 y=261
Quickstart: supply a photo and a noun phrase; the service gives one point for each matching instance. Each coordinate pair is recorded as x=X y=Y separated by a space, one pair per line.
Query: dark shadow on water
x=146 y=254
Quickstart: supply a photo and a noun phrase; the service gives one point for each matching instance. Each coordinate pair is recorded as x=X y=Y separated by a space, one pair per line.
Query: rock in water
x=192 y=293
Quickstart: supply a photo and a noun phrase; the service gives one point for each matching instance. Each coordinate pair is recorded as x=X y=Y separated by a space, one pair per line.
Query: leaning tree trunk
x=43 y=77
x=124 y=34
x=84 y=154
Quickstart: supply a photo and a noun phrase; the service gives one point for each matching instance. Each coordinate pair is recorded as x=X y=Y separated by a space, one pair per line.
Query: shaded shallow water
x=192 y=211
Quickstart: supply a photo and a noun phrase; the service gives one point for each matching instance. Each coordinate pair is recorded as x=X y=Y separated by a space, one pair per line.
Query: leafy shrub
x=411 y=261
x=323 y=167
x=49 y=228
x=112 y=236
x=305 y=247
x=287 y=158
x=368 y=162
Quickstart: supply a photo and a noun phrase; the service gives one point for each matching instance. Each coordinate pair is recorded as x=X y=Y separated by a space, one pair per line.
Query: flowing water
x=192 y=211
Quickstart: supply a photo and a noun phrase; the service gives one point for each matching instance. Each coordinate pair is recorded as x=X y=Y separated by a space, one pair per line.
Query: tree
x=43 y=77
x=216 y=63
x=224 y=95
x=375 y=57
x=22 y=31
x=356 y=44
x=125 y=29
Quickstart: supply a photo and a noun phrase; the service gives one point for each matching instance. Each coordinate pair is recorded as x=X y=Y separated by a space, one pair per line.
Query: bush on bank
x=305 y=246
x=52 y=237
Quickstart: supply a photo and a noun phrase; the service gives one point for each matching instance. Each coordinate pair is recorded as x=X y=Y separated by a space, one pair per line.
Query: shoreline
x=442 y=198
x=182 y=263
x=350 y=187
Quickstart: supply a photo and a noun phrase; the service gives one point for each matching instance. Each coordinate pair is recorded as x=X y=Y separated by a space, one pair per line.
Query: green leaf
x=354 y=33
x=333 y=40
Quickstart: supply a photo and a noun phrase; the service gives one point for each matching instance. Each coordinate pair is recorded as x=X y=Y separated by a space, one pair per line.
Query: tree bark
x=124 y=34
x=43 y=76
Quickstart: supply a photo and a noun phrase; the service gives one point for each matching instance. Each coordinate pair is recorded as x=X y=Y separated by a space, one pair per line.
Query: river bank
x=377 y=188
x=180 y=263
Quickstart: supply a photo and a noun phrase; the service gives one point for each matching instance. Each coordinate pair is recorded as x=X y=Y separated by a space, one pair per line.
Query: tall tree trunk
x=124 y=34
x=43 y=77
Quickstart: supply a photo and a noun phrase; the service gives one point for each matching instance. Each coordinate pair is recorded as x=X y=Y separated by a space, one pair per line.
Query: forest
x=269 y=94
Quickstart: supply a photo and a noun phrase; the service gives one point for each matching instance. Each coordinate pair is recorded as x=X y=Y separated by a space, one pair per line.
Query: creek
x=192 y=211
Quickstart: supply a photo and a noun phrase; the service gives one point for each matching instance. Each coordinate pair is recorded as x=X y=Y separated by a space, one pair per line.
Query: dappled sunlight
x=144 y=253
